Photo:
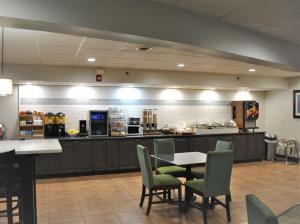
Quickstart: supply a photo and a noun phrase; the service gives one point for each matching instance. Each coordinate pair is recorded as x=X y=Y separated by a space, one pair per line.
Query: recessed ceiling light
x=180 y=65
x=143 y=48
x=91 y=59
x=252 y=70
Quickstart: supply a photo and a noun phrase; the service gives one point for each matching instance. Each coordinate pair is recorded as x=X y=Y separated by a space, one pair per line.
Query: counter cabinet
x=90 y=156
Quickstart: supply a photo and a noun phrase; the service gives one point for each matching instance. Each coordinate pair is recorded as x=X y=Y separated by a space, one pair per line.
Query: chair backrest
x=258 y=212
x=223 y=146
x=218 y=173
x=163 y=147
x=7 y=161
x=145 y=164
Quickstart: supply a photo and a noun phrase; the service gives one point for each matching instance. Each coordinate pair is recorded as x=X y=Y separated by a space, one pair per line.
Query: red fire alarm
x=98 y=78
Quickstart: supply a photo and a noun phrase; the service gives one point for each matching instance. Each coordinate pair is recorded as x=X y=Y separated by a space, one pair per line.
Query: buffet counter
x=86 y=155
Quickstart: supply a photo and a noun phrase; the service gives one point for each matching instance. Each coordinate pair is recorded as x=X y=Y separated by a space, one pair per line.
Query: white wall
x=279 y=109
x=174 y=105
x=150 y=78
x=9 y=107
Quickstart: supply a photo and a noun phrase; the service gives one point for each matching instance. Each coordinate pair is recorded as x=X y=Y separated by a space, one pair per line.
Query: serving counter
x=85 y=155
x=26 y=151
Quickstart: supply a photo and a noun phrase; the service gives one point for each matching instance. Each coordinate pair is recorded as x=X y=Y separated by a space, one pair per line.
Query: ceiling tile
x=102 y=44
x=165 y=2
x=24 y=51
x=60 y=49
x=291 y=21
x=265 y=11
x=214 y=8
x=56 y=39
x=242 y=23
x=56 y=59
x=46 y=49
x=22 y=59
x=278 y=31
x=92 y=52
x=20 y=44
x=19 y=37
x=82 y=60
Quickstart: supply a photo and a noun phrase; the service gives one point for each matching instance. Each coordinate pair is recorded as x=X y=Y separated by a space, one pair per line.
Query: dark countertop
x=150 y=136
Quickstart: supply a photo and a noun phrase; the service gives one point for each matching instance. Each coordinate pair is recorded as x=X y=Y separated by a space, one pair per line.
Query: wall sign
x=296 y=104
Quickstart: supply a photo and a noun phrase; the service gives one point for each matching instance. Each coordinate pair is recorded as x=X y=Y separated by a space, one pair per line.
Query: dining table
x=25 y=152
x=186 y=160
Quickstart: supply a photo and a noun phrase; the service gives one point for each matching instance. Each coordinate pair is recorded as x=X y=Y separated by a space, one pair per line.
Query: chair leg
x=179 y=199
x=230 y=199
x=186 y=200
x=169 y=195
x=143 y=196
x=212 y=202
x=149 y=201
x=9 y=209
x=204 y=209
x=228 y=207
x=164 y=194
x=20 y=209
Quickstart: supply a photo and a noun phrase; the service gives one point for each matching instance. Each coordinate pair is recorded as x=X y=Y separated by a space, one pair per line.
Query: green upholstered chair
x=216 y=181
x=258 y=212
x=198 y=172
x=167 y=146
x=155 y=183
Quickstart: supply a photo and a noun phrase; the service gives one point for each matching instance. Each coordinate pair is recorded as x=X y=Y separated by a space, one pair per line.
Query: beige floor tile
x=114 y=198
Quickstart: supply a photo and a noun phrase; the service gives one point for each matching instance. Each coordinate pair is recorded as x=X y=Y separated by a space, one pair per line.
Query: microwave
x=134 y=130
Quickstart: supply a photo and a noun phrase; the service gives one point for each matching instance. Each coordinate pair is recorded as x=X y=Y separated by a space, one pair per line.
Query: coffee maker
x=82 y=128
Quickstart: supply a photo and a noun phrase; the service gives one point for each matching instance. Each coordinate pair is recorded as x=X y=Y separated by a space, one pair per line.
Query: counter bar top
x=30 y=147
x=153 y=136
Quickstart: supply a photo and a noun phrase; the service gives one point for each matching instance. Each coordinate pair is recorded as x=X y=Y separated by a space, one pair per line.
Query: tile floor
x=105 y=199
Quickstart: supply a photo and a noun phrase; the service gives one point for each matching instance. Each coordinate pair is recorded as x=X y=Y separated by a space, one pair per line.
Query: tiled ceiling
x=277 y=18
x=43 y=48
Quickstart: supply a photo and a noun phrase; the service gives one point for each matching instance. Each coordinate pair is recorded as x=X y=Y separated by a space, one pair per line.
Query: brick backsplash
x=188 y=109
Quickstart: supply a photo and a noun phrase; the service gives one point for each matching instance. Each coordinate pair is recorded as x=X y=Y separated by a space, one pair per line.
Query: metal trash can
x=270 y=146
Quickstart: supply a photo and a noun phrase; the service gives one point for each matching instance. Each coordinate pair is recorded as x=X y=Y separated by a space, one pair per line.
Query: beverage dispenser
x=245 y=114
x=49 y=125
x=60 y=122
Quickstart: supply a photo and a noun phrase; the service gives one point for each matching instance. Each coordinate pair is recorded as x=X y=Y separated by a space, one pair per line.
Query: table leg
x=188 y=194
x=28 y=202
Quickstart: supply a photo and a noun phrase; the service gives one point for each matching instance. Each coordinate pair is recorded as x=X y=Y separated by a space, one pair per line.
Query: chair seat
x=175 y=171
x=197 y=185
x=198 y=172
x=165 y=180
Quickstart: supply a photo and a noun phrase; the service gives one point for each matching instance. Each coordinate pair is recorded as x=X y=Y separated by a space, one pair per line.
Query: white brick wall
x=167 y=114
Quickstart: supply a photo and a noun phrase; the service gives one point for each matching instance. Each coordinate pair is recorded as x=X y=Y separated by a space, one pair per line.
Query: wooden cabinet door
x=66 y=158
x=100 y=155
x=252 y=151
x=241 y=147
x=197 y=144
x=181 y=145
x=128 y=154
x=230 y=138
x=259 y=145
x=113 y=155
x=149 y=144
x=83 y=156
x=211 y=142
x=46 y=164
